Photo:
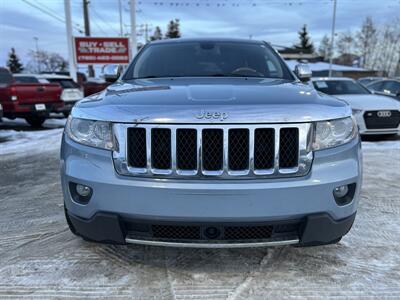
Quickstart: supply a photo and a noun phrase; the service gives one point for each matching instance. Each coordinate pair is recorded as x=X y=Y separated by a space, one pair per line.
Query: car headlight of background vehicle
x=333 y=133
x=91 y=133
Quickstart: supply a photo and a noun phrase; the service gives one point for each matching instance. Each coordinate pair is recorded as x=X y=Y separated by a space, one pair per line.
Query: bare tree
x=367 y=39
x=376 y=46
x=345 y=43
x=43 y=61
x=324 y=47
x=384 y=52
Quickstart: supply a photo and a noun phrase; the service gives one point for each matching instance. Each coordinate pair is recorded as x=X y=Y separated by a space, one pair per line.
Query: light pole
x=37 y=53
x=133 y=28
x=68 y=22
x=121 y=31
x=332 y=38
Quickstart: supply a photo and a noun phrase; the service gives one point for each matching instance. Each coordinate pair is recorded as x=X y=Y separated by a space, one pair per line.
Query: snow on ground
x=17 y=137
x=24 y=142
x=382 y=145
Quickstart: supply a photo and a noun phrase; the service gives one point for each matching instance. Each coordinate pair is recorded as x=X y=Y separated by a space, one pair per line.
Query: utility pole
x=121 y=31
x=87 y=30
x=133 y=28
x=68 y=22
x=332 y=38
x=146 y=33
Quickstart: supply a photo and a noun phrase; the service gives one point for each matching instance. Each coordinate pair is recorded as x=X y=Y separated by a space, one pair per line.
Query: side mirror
x=111 y=73
x=303 y=72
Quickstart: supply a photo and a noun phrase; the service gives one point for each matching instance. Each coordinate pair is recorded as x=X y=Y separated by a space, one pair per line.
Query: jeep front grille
x=226 y=151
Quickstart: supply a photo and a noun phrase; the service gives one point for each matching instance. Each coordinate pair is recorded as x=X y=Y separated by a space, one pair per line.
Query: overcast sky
x=276 y=21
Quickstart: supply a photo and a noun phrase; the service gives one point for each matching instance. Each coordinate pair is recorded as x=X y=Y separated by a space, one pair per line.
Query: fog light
x=344 y=194
x=341 y=191
x=80 y=193
x=83 y=190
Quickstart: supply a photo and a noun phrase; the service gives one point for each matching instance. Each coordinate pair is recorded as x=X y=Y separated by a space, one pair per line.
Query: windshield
x=204 y=59
x=5 y=76
x=65 y=83
x=339 y=87
x=26 y=79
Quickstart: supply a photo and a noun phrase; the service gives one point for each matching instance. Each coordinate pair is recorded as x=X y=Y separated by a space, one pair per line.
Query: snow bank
x=29 y=142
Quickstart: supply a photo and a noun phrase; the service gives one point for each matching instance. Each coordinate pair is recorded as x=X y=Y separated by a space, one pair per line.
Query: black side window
x=392 y=86
x=377 y=86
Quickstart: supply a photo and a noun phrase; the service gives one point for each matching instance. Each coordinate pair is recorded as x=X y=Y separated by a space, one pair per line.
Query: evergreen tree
x=173 y=31
x=157 y=35
x=305 y=45
x=13 y=62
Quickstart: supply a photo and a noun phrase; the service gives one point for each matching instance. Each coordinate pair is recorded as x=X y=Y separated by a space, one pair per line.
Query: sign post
x=102 y=50
x=71 y=59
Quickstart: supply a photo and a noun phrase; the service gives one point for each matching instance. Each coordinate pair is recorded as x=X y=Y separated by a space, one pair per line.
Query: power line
x=103 y=20
x=51 y=14
x=53 y=11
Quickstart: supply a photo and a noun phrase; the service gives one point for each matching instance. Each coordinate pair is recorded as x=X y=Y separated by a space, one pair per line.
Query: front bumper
x=316 y=229
x=213 y=201
x=362 y=128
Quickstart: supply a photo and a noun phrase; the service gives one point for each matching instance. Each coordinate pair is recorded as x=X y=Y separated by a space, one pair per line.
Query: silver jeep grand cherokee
x=211 y=143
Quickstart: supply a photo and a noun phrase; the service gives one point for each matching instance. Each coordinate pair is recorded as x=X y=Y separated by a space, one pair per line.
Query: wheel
x=66 y=114
x=35 y=121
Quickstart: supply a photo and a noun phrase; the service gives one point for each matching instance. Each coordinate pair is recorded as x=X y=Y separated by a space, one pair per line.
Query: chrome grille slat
x=123 y=167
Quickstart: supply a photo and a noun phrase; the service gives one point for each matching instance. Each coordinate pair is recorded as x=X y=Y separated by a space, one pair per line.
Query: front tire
x=35 y=121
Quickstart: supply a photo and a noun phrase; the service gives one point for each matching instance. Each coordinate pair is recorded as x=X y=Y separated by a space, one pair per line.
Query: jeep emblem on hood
x=212 y=115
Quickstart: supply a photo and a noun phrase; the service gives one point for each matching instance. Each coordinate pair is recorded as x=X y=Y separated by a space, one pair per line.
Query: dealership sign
x=97 y=50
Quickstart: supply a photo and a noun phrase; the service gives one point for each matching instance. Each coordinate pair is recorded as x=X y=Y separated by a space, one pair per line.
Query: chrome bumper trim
x=211 y=245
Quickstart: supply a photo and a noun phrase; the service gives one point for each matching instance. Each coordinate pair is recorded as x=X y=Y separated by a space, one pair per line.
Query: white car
x=72 y=92
x=375 y=114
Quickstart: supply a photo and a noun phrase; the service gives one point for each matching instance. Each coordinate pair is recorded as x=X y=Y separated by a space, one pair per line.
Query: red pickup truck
x=31 y=101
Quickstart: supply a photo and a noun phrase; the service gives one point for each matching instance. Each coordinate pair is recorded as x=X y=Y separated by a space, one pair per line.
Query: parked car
x=367 y=80
x=94 y=85
x=375 y=114
x=211 y=143
x=71 y=91
x=89 y=85
x=32 y=101
x=388 y=87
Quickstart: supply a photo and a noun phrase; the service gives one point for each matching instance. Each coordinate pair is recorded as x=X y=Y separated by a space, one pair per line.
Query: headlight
x=333 y=133
x=91 y=133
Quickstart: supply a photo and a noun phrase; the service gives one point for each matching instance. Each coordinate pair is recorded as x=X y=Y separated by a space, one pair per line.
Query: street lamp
x=37 y=52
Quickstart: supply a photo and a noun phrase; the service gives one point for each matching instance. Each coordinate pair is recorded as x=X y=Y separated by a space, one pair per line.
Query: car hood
x=370 y=102
x=210 y=100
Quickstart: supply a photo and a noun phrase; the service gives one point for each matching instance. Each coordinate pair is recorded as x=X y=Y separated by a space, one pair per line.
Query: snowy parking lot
x=40 y=258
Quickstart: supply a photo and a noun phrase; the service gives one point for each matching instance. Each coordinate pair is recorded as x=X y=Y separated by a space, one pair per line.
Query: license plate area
x=40 y=107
